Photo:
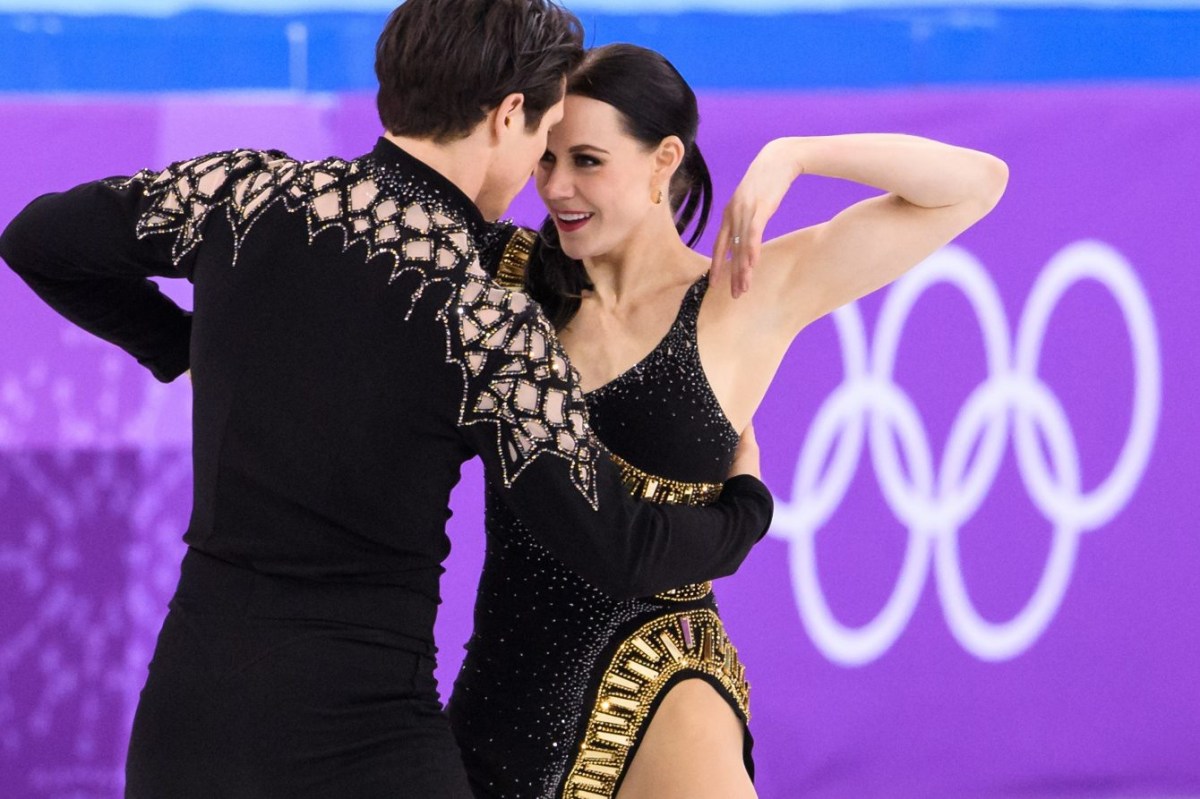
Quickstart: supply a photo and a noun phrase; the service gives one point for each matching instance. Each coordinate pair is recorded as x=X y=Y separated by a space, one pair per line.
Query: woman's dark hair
x=654 y=102
x=443 y=64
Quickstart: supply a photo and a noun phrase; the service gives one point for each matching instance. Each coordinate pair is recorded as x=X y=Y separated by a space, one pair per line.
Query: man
x=348 y=353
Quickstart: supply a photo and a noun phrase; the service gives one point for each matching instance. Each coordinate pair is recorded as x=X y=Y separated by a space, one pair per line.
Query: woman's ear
x=667 y=160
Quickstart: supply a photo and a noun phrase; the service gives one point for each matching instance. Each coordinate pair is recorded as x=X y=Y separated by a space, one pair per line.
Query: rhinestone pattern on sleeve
x=560 y=680
x=515 y=374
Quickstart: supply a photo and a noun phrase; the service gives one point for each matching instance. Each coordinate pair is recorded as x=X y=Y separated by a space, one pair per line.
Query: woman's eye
x=586 y=160
x=547 y=159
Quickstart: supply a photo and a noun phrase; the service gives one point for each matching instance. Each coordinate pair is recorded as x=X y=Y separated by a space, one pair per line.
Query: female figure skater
x=566 y=692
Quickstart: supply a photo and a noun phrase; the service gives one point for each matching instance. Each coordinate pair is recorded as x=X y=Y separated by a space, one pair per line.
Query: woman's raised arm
x=932 y=192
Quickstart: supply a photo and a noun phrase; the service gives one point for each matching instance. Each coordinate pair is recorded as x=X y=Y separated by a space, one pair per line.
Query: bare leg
x=692 y=750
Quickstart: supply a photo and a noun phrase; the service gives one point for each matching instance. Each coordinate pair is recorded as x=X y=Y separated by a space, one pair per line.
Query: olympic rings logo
x=869 y=408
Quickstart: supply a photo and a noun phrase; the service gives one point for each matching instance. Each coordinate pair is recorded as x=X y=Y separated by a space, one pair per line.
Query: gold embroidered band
x=511 y=272
x=643 y=485
x=641 y=669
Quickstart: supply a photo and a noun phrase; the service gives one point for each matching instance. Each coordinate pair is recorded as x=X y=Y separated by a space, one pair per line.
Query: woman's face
x=595 y=179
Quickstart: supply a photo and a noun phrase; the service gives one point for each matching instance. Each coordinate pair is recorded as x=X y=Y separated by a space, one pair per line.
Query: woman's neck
x=651 y=259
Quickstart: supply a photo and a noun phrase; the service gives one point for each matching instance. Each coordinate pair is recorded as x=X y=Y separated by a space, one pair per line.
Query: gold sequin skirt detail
x=549 y=651
x=644 y=665
x=674 y=645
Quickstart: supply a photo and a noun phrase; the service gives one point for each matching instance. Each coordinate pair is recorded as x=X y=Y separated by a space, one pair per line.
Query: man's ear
x=507 y=117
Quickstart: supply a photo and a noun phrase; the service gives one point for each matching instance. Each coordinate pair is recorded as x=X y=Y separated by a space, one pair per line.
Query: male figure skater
x=348 y=353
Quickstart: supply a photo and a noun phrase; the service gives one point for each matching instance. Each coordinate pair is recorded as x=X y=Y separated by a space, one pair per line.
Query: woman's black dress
x=561 y=680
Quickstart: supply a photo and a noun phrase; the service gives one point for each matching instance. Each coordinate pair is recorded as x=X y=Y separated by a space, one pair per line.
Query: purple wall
x=982 y=580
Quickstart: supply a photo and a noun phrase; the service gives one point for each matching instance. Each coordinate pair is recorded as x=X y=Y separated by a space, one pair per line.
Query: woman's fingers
x=725 y=252
x=739 y=243
x=747 y=458
x=747 y=250
x=732 y=230
x=754 y=245
x=720 y=258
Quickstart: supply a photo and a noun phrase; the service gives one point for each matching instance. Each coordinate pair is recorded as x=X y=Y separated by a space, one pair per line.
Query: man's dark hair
x=443 y=64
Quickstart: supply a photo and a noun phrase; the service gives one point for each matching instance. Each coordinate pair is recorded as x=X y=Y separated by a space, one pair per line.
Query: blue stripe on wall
x=857 y=49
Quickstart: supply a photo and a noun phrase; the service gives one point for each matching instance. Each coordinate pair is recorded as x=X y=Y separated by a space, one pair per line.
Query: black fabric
x=543 y=636
x=243 y=704
x=335 y=391
x=661 y=414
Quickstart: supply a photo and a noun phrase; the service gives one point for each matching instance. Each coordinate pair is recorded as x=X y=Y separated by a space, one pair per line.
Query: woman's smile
x=569 y=222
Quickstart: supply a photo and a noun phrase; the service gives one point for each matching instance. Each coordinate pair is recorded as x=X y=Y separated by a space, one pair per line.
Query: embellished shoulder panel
x=179 y=199
x=515 y=375
x=518 y=378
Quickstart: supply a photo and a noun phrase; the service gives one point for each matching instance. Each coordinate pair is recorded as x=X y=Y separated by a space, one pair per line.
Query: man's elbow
x=17 y=235
x=9 y=248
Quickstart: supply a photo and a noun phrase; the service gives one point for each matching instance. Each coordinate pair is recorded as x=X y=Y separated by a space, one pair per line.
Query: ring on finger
x=737 y=240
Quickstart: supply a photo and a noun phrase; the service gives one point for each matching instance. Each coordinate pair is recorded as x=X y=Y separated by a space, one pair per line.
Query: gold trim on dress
x=518 y=251
x=644 y=664
x=643 y=485
x=646 y=661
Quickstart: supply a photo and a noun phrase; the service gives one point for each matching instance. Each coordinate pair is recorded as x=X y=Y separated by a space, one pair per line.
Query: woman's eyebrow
x=579 y=147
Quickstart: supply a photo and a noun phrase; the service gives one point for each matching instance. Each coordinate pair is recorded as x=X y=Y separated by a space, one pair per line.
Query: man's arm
x=78 y=251
x=527 y=419
x=89 y=253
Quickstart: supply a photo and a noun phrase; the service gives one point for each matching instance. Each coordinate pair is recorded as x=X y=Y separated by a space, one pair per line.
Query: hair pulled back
x=654 y=102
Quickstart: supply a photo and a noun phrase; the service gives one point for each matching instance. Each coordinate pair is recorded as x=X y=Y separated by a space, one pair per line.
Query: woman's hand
x=930 y=192
x=756 y=199
x=746 y=456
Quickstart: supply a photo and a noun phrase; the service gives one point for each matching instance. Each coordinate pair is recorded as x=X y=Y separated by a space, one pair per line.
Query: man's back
x=349 y=351
x=325 y=405
x=330 y=381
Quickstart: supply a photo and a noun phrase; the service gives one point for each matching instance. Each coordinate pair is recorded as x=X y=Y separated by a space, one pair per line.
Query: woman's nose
x=556 y=184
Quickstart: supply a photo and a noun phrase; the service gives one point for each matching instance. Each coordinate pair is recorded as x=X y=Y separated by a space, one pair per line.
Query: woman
x=564 y=691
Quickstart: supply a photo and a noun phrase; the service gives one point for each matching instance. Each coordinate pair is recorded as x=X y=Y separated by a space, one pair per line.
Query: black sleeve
x=527 y=419
x=89 y=253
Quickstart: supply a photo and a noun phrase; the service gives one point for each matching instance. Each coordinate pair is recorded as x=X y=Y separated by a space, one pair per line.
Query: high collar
x=391 y=154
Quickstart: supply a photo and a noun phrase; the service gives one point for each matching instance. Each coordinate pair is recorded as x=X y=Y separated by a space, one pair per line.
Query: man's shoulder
x=205 y=173
x=361 y=200
x=245 y=171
